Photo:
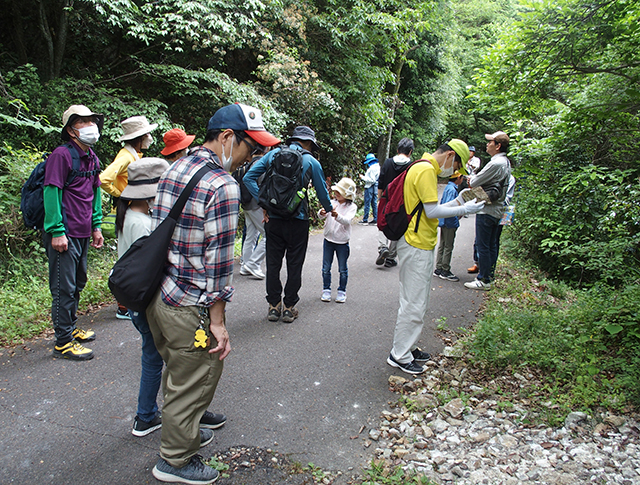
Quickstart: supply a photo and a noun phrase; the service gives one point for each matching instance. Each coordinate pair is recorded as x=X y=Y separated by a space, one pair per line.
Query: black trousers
x=285 y=238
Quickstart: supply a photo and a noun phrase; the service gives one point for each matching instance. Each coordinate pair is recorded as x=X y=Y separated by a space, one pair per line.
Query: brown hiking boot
x=289 y=314
x=274 y=312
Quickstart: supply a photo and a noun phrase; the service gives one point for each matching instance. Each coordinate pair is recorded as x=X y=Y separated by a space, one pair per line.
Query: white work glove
x=471 y=207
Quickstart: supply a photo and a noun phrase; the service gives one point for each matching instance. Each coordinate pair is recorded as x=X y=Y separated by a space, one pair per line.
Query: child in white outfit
x=337 y=232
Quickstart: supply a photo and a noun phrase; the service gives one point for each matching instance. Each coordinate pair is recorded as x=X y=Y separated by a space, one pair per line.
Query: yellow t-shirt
x=421 y=186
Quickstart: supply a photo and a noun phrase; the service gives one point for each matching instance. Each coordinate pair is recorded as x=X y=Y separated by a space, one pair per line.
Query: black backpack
x=238 y=174
x=284 y=186
x=32 y=193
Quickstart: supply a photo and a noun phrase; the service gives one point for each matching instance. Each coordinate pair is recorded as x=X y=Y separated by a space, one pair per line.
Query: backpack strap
x=176 y=210
x=75 y=165
x=419 y=208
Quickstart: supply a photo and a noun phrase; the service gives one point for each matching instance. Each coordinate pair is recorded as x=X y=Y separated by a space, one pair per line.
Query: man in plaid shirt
x=186 y=316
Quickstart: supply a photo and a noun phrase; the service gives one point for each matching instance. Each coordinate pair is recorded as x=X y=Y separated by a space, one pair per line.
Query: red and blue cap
x=240 y=117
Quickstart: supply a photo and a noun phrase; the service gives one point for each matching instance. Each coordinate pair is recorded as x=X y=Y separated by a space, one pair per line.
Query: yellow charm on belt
x=201 y=338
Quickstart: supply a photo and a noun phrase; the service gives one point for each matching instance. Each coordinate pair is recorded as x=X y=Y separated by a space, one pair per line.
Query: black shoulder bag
x=136 y=276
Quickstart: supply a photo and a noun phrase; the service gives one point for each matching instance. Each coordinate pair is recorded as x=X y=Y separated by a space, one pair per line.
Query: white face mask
x=447 y=172
x=227 y=162
x=89 y=135
x=147 y=141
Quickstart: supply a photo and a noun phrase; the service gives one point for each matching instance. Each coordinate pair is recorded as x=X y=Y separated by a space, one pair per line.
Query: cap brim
x=184 y=143
x=264 y=138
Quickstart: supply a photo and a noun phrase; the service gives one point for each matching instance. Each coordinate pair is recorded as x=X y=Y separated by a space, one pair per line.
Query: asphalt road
x=304 y=389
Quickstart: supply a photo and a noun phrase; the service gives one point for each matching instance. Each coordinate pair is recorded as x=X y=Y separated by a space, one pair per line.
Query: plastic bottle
x=297 y=198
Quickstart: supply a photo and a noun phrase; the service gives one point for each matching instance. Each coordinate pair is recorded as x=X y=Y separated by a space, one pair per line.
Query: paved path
x=304 y=389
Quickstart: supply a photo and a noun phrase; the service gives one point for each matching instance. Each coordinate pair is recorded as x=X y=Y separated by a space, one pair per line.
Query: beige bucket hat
x=78 y=111
x=136 y=126
x=346 y=187
x=144 y=175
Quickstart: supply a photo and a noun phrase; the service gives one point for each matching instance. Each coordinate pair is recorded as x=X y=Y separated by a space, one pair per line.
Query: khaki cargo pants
x=189 y=380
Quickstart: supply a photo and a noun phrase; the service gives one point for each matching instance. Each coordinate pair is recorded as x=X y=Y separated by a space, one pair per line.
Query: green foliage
x=379 y=474
x=586 y=341
x=16 y=241
x=25 y=297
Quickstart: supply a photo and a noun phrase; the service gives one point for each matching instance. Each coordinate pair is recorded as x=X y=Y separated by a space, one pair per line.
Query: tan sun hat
x=136 y=126
x=346 y=187
x=144 y=175
x=78 y=111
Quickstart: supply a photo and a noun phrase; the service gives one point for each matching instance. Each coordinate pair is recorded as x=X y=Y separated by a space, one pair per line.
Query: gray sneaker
x=206 y=436
x=195 y=472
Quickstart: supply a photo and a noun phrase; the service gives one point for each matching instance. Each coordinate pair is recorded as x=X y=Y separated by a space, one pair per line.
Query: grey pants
x=189 y=380
x=445 y=247
x=67 y=278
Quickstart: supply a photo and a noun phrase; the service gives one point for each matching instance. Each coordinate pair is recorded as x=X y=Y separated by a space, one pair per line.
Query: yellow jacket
x=114 y=178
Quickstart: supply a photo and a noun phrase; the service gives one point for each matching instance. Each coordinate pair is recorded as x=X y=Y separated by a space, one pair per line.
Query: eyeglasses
x=257 y=148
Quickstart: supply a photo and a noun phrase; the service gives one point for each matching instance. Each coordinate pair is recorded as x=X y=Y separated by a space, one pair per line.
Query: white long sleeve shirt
x=338 y=229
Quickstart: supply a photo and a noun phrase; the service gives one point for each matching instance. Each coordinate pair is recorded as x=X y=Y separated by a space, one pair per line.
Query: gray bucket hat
x=144 y=175
x=304 y=133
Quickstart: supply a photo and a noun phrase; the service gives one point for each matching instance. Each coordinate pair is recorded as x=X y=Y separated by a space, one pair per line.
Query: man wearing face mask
x=187 y=315
x=73 y=215
x=416 y=249
x=137 y=137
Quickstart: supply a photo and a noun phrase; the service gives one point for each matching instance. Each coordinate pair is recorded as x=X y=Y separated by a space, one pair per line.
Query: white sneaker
x=326 y=295
x=342 y=297
x=256 y=273
x=478 y=285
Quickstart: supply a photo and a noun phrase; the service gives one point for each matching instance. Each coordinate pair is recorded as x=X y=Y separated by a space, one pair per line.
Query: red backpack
x=393 y=219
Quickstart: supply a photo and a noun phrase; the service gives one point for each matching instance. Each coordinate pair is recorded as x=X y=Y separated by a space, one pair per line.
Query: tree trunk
x=55 y=40
x=384 y=143
x=18 y=32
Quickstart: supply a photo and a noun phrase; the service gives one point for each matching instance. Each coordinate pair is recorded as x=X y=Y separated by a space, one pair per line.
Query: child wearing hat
x=337 y=232
x=133 y=220
x=137 y=137
x=448 y=227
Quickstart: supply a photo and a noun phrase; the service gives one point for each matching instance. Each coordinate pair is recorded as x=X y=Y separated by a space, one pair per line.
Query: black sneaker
x=373 y=223
x=289 y=314
x=390 y=263
x=206 y=437
x=274 y=312
x=420 y=356
x=382 y=256
x=212 y=420
x=410 y=368
x=363 y=223
x=142 y=428
x=448 y=275
x=195 y=472
x=437 y=272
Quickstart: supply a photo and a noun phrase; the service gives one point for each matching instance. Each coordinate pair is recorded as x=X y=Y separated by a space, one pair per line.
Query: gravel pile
x=478 y=438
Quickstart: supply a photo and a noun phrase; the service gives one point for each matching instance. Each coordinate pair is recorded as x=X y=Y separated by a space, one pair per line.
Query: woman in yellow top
x=137 y=137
